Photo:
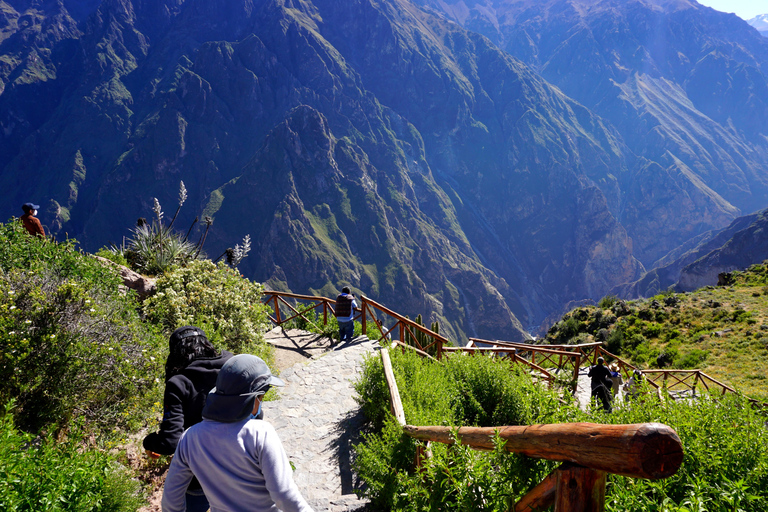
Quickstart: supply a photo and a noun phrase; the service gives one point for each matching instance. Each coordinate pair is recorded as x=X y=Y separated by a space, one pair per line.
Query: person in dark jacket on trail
x=601 y=383
x=30 y=222
x=345 y=314
x=190 y=373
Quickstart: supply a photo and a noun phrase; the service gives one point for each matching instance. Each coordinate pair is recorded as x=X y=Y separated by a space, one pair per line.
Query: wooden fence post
x=579 y=489
x=576 y=369
x=277 y=311
x=363 y=319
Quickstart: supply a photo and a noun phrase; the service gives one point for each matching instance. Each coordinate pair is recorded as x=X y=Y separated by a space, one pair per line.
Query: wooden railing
x=589 y=452
x=404 y=329
x=541 y=359
x=302 y=304
x=689 y=382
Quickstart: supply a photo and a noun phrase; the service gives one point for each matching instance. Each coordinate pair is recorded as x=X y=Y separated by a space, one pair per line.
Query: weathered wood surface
x=406 y=321
x=540 y=497
x=397 y=406
x=579 y=489
x=644 y=450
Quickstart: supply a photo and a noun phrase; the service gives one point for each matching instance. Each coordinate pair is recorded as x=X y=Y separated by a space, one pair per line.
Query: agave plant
x=153 y=247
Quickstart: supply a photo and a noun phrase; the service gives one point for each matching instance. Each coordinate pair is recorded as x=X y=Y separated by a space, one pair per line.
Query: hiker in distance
x=239 y=460
x=345 y=314
x=190 y=373
x=601 y=383
x=30 y=222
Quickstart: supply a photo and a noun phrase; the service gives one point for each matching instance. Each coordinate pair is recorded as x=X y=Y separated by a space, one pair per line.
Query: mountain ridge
x=488 y=198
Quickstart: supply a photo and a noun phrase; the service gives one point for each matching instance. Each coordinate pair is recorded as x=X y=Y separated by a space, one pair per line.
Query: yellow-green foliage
x=71 y=345
x=720 y=330
x=215 y=297
x=725 y=442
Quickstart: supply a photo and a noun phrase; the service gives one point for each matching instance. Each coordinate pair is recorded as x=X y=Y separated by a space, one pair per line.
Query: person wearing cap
x=601 y=383
x=190 y=373
x=238 y=459
x=30 y=222
x=345 y=314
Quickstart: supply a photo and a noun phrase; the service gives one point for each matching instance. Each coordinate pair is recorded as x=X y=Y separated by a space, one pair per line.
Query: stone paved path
x=318 y=422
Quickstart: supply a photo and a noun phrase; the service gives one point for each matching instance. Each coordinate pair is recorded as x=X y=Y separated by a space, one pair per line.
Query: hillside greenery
x=721 y=330
x=726 y=444
x=82 y=365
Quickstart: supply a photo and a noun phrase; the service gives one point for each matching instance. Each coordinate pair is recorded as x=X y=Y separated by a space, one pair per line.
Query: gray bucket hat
x=240 y=381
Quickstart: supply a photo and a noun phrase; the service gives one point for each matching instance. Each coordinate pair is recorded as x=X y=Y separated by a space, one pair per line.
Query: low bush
x=70 y=343
x=43 y=474
x=459 y=391
x=725 y=466
x=216 y=298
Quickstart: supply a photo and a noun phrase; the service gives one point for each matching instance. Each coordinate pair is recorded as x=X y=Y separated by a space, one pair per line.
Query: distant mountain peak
x=760 y=23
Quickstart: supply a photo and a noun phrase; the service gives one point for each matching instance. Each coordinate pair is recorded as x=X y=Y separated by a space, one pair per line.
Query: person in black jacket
x=601 y=383
x=190 y=373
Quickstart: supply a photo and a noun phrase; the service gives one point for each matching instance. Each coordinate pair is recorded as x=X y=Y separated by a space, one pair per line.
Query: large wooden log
x=644 y=450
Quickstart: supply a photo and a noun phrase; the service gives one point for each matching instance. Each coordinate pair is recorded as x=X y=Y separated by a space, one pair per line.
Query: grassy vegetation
x=82 y=366
x=720 y=330
x=726 y=444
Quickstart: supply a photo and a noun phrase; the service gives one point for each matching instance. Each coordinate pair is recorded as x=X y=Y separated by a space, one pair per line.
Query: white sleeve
x=176 y=482
x=278 y=475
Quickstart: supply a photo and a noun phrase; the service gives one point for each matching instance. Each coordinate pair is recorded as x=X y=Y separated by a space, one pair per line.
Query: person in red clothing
x=30 y=222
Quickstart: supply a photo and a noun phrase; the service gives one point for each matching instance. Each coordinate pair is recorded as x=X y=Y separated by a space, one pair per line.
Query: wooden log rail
x=278 y=300
x=691 y=380
x=403 y=325
x=547 y=355
x=642 y=450
x=589 y=451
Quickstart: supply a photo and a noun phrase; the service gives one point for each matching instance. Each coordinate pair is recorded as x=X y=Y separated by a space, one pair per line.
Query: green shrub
x=725 y=442
x=43 y=474
x=480 y=391
x=607 y=302
x=70 y=343
x=216 y=298
x=693 y=359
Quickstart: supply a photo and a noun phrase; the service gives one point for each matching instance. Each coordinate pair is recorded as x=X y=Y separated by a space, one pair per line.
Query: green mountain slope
x=684 y=85
x=453 y=179
x=721 y=330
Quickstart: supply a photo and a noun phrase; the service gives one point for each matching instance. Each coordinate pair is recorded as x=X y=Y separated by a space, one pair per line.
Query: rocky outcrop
x=143 y=286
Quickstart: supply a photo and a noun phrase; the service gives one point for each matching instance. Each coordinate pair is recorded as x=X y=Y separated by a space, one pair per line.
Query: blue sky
x=746 y=9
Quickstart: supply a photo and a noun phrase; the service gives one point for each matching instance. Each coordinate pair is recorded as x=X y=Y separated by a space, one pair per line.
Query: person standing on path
x=190 y=373
x=601 y=383
x=616 y=380
x=30 y=222
x=345 y=314
x=238 y=459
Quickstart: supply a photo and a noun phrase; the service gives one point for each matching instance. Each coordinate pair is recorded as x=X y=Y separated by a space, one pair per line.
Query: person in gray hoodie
x=239 y=460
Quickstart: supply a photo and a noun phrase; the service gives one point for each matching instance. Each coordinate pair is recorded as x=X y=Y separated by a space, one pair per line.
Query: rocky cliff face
x=683 y=84
x=365 y=143
x=699 y=262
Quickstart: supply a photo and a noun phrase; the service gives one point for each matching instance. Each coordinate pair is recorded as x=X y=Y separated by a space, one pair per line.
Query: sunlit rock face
x=379 y=145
